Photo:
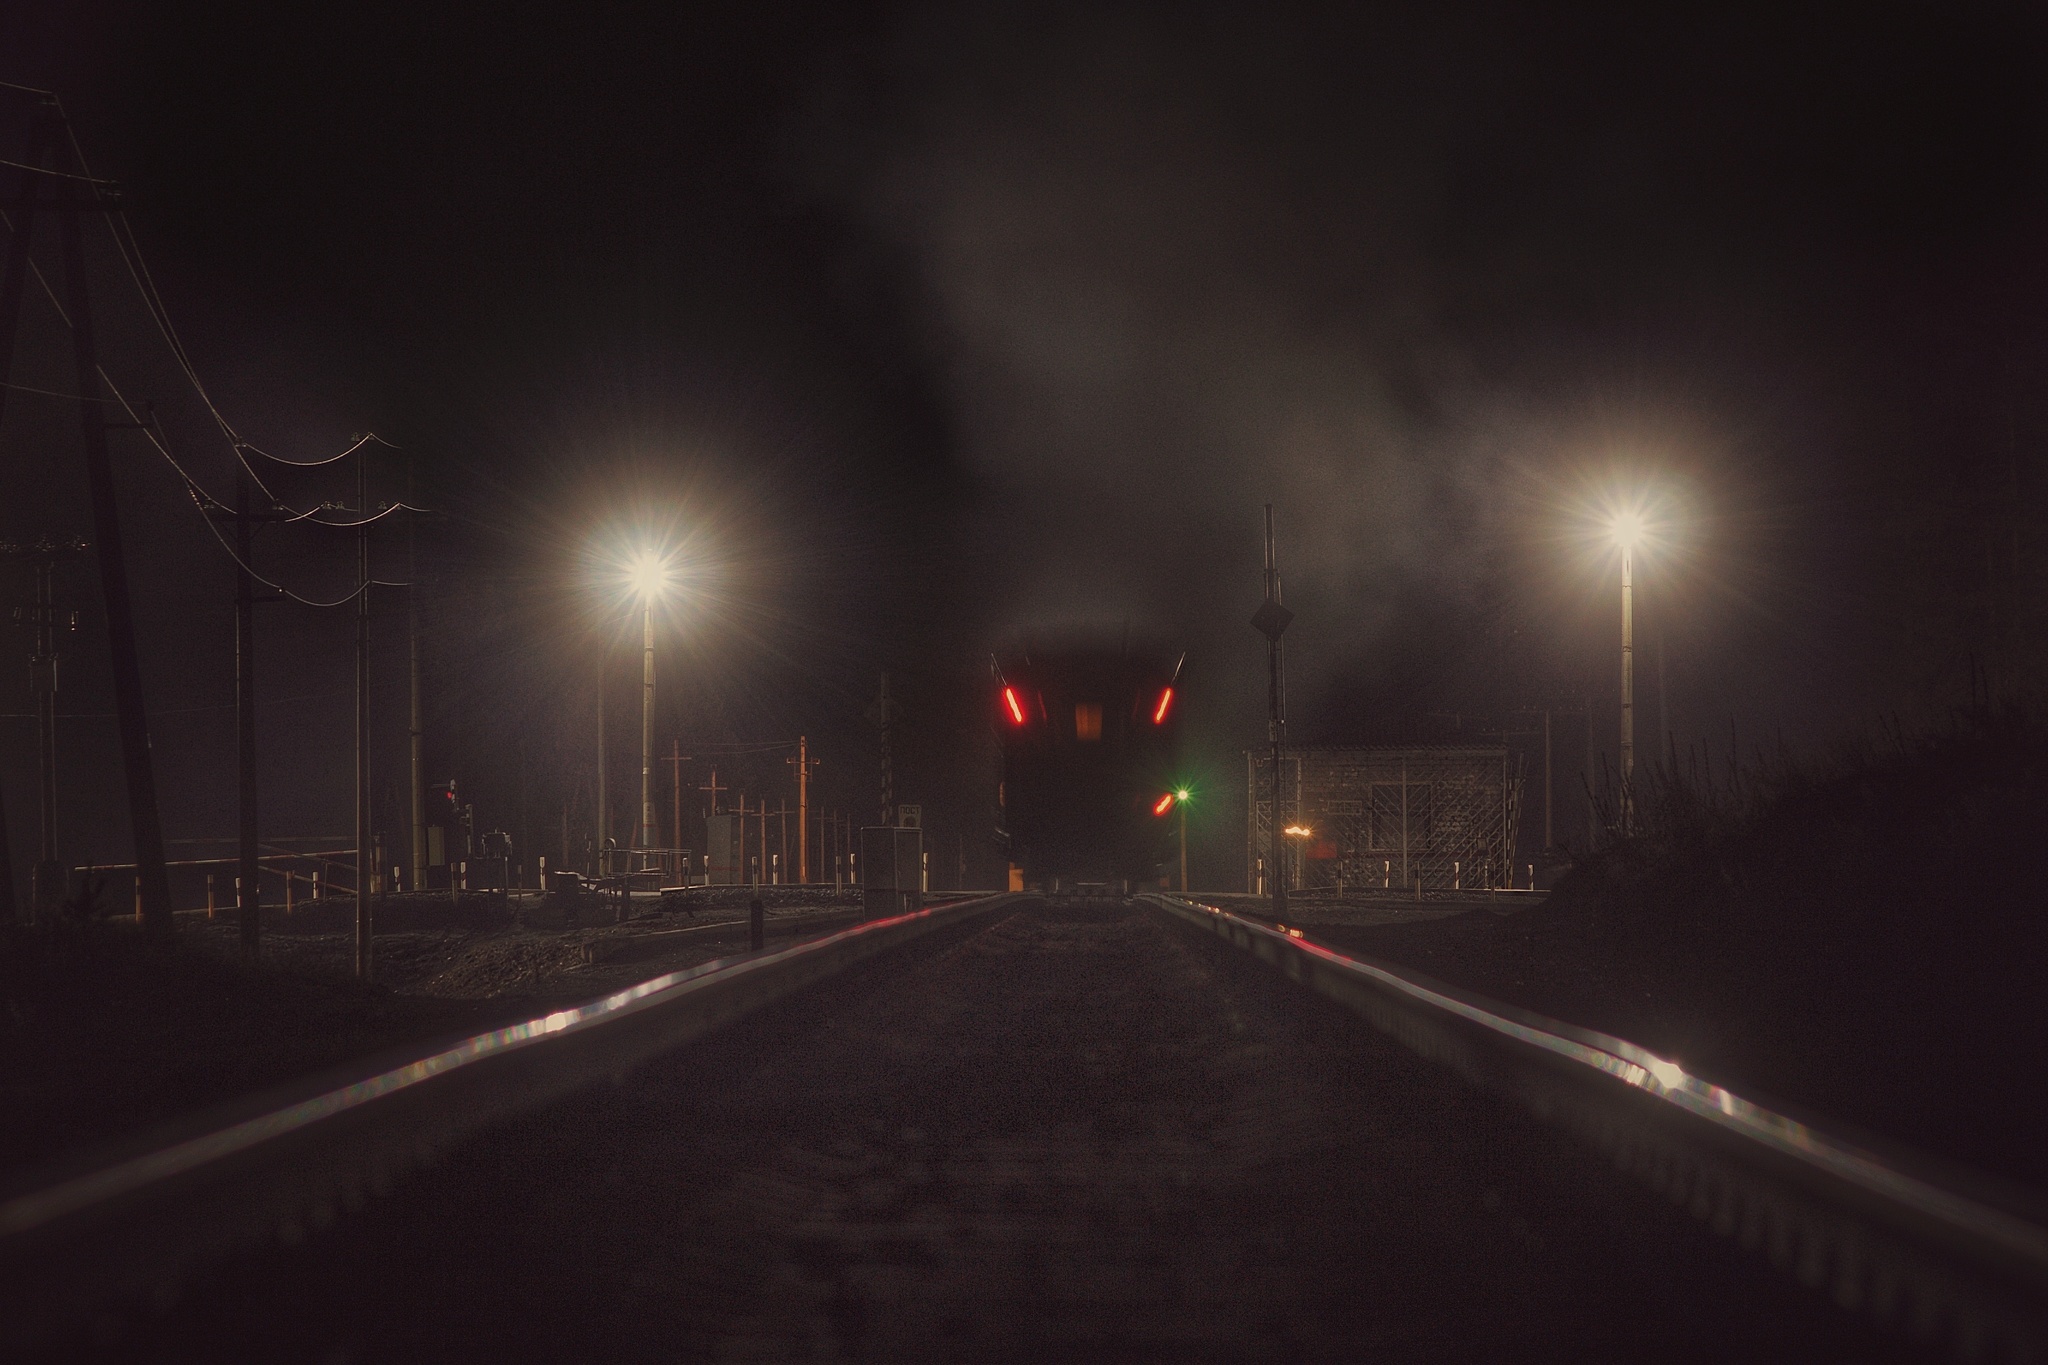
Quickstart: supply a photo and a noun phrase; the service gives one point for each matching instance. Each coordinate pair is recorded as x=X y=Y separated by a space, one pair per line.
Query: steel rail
x=134 y=1222
x=1943 y=1253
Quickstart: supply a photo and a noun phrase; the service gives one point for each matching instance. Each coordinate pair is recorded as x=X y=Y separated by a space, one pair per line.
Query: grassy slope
x=1868 y=941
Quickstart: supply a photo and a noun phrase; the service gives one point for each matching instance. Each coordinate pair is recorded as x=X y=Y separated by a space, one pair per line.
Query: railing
x=1941 y=1252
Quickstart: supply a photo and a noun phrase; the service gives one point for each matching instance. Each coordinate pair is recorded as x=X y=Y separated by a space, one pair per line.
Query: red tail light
x=1016 y=710
x=1163 y=804
x=1159 y=711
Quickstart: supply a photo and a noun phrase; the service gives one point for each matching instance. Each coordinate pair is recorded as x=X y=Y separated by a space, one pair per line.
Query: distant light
x=1181 y=795
x=1628 y=530
x=1016 y=711
x=1298 y=831
x=1165 y=700
x=1163 y=804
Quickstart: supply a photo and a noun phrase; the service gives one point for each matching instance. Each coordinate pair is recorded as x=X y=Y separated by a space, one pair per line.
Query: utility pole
x=782 y=836
x=647 y=835
x=152 y=880
x=46 y=888
x=46 y=881
x=1183 y=847
x=676 y=785
x=603 y=799
x=1271 y=621
x=416 y=729
x=248 y=886
x=804 y=763
x=888 y=780
x=365 y=965
x=1628 y=689
x=1549 y=837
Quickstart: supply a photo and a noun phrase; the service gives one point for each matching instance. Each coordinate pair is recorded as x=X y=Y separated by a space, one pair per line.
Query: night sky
x=918 y=327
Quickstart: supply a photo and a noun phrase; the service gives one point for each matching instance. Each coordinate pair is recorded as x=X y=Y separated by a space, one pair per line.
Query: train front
x=1091 y=747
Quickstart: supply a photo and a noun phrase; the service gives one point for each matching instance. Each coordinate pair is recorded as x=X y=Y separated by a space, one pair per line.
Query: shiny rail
x=1947 y=1255
x=133 y=1223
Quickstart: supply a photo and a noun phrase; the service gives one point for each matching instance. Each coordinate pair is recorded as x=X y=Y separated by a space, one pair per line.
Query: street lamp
x=1628 y=531
x=1180 y=796
x=649 y=575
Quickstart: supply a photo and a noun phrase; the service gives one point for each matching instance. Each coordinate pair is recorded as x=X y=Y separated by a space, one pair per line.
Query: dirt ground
x=103 y=1036
x=1843 y=1031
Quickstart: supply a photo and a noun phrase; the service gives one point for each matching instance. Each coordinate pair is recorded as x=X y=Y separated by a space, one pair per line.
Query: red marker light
x=1165 y=700
x=1016 y=711
x=1163 y=804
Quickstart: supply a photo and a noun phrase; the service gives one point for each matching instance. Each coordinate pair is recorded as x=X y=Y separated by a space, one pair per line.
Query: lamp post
x=1628 y=529
x=649 y=577
x=1180 y=796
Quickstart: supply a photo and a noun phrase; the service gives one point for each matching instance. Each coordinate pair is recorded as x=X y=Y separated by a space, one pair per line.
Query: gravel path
x=1064 y=1135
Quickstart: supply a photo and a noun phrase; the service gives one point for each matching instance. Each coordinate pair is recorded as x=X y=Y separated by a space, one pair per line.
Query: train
x=1090 y=739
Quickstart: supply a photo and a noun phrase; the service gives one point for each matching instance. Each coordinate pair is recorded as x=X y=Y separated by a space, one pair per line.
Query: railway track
x=1009 y=1130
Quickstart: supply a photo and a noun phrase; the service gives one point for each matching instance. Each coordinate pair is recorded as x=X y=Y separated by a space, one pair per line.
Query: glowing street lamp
x=1180 y=796
x=649 y=575
x=1628 y=532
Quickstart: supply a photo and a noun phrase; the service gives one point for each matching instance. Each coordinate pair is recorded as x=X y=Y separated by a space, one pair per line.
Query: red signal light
x=1159 y=712
x=1016 y=711
x=1163 y=804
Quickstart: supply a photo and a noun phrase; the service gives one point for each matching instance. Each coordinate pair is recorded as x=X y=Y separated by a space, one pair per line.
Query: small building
x=724 y=862
x=1384 y=817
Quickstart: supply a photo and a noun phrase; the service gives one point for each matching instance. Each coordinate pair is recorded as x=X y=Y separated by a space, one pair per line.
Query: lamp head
x=648 y=573
x=1628 y=529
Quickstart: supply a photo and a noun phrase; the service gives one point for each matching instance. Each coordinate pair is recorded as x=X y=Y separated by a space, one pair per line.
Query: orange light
x=1016 y=711
x=1163 y=804
x=1165 y=700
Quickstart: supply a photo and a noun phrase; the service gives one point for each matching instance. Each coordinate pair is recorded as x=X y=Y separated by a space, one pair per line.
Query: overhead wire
x=196 y=491
x=202 y=499
x=61 y=175
x=130 y=249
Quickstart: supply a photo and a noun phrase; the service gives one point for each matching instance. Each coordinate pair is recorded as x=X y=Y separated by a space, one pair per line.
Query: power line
x=201 y=498
x=61 y=175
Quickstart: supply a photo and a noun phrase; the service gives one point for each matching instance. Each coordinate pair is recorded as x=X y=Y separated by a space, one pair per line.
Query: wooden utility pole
x=603 y=800
x=779 y=867
x=76 y=195
x=1271 y=621
x=249 y=885
x=675 y=763
x=416 y=729
x=804 y=763
x=152 y=879
x=365 y=964
x=882 y=719
x=1183 y=848
x=713 y=787
x=46 y=880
